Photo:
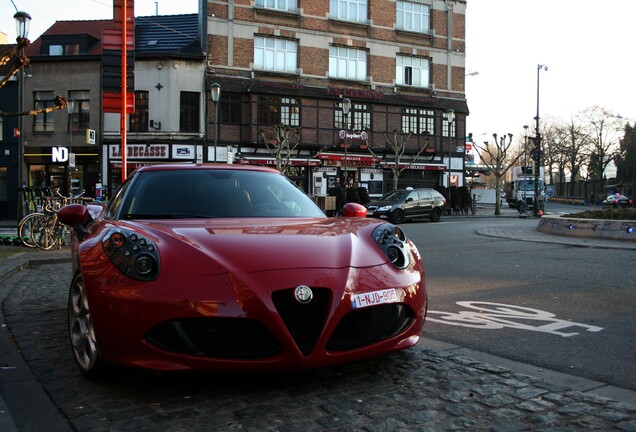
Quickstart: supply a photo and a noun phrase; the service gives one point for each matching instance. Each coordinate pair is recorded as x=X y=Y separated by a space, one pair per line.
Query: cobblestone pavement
x=429 y=387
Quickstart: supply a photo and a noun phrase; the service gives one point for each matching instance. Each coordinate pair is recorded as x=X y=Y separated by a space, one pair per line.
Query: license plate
x=374 y=298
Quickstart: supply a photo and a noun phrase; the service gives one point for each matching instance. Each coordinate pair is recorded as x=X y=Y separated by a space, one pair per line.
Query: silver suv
x=405 y=204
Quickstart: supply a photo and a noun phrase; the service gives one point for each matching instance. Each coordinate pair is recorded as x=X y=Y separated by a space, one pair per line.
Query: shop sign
x=140 y=151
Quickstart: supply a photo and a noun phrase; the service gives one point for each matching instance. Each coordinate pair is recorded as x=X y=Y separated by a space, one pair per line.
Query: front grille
x=227 y=338
x=365 y=326
x=303 y=321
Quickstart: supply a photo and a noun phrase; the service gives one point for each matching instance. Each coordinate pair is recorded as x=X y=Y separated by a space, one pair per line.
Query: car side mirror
x=78 y=216
x=354 y=210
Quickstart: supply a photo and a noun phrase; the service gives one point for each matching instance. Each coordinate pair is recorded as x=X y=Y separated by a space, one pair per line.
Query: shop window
x=189 y=112
x=139 y=119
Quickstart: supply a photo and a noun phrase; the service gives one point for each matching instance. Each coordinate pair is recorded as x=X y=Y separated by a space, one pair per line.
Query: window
x=80 y=120
x=275 y=54
x=348 y=63
x=68 y=49
x=418 y=121
x=282 y=5
x=413 y=17
x=359 y=117
x=413 y=71
x=189 y=112
x=139 y=119
x=348 y=10
x=43 y=122
x=445 y=125
x=274 y=110
x=230 y=108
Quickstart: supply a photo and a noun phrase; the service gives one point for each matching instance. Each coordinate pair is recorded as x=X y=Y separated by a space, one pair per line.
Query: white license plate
x=374 y=298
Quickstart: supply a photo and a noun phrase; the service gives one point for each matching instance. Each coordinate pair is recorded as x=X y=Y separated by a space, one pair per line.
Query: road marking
x=495 y=316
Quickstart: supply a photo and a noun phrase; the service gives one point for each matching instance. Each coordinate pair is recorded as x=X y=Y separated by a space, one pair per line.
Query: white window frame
x=420 y=71
x=413 y=17
x=281 y=5
x=347 y=63
x=275 y=54
x=349 y=10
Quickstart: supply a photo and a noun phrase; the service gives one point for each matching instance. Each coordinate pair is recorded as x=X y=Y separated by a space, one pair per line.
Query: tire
x=26 y=229
x=397 y=217
x=82 y=334
x=521 y=206
x=436 y=215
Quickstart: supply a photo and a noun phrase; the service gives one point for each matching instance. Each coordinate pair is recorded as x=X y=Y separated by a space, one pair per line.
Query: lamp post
x=22 y=24
x=525 y=146
x=70 y=107
x=450 y=118
x=538 y=151
x=215 y=92
x=346 y=107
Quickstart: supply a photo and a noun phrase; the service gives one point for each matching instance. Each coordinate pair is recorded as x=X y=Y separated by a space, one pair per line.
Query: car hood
x=249 y=245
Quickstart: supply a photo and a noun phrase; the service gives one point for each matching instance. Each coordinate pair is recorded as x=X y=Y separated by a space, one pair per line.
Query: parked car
x=234 y=268
x=616 y=201
x=406 y=204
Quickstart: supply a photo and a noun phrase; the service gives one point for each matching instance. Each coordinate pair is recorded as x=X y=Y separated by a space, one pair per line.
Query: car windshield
x=396 y=195
x=214 y=193
x=528 y=185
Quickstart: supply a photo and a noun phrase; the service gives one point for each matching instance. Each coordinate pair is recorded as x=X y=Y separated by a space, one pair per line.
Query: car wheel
x=397 y=217
x=436 y=215
x=82 y=333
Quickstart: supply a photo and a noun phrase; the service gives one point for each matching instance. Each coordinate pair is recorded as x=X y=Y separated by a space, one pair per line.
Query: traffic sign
x=90 y=136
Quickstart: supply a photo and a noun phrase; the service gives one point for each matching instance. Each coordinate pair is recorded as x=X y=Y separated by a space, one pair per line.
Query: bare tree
x=575 y=149
x=602 y=129
x=498 y=159
x=397 y=144
x=281 y=141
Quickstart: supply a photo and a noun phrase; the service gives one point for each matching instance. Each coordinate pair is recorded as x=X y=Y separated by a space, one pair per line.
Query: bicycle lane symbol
x=495 y=316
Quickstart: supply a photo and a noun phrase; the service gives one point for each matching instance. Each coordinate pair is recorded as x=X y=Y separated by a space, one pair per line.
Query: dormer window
x=67 y=49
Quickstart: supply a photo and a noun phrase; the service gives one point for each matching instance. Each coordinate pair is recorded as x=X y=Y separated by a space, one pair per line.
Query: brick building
x=292 y=62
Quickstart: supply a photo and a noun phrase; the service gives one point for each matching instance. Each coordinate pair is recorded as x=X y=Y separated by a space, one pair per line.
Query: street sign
x=90 y=136
x=71 y=160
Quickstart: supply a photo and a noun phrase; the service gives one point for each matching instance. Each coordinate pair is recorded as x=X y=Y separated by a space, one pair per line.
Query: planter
x=591 y=228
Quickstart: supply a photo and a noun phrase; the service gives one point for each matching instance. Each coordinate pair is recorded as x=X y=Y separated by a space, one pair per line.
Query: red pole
x=124 y=90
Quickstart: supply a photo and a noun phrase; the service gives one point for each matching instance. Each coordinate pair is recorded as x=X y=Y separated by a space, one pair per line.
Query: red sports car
x=226 y=267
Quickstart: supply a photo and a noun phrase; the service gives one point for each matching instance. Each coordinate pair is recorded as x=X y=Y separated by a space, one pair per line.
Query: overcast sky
x=588 y=46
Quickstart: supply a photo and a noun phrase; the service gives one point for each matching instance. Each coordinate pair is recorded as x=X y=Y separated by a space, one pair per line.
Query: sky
x=587 y=45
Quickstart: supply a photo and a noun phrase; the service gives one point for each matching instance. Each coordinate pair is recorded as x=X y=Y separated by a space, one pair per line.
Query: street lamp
x=537 y=142
x=346 y=107
x=525 y=146
x=215 y=92
x=22 y=24
x=450 y=117
x=70 y=107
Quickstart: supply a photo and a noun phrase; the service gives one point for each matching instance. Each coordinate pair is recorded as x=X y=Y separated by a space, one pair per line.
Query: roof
x=5 y=49
x=168 y=35
x=93 y=28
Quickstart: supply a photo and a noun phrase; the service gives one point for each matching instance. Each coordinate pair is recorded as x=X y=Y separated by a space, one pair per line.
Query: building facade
x=293 y=62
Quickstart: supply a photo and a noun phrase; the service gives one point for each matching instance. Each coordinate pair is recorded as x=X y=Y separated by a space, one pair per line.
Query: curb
x=604 y=229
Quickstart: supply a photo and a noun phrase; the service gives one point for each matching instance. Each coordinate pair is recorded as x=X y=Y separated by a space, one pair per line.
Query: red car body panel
x=217 y=268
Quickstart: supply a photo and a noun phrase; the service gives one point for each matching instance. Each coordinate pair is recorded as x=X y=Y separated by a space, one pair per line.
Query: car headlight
x=392 y=241
x=133 y=254
x=384 y=208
